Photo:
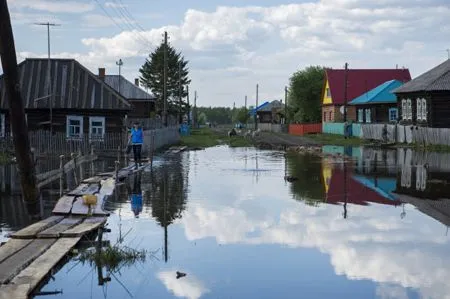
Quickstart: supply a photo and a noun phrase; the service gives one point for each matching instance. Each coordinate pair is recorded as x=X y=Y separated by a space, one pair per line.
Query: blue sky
x=233 y=45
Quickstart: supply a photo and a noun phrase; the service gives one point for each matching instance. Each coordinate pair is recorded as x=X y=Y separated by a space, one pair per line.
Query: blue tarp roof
x=253 y=111
x=384 y=187
x=380 y=94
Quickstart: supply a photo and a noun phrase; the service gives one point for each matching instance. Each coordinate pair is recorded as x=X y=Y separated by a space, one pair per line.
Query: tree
x=305 y=94
x=241 y=115
x=152 y=77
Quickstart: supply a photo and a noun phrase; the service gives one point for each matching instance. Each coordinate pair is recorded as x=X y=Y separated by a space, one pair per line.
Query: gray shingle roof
x=436 y=79
x=73 y=85
x=127 y=89
x=272 y=105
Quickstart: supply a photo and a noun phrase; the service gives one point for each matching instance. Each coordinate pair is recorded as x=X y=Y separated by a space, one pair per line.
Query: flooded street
x=231 y=222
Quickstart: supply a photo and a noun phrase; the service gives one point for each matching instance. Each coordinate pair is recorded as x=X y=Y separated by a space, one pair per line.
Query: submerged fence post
x=118 y=153
x=73 y=156
x=92 y=161
x=117 y=170
x=61 y=174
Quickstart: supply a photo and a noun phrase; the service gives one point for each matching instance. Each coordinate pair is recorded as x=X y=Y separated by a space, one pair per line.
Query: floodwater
x=370 y=226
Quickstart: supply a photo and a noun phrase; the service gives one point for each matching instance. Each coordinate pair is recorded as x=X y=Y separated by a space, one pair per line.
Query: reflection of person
x=136 y=196
x=137 y=139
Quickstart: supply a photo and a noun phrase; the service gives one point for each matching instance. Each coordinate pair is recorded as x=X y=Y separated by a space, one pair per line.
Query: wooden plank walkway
x=32 y=252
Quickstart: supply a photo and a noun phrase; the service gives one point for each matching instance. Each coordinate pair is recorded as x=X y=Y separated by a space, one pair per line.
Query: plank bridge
x=30 y=254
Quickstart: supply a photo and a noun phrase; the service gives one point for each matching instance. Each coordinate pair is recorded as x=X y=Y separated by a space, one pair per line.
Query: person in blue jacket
x=136 y=196
x=136 y=140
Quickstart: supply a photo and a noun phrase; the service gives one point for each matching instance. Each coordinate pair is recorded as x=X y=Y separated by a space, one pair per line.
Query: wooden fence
x=303 y=129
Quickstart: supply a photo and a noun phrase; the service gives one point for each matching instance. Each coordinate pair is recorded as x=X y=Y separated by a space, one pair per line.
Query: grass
x=331 y=139
x=202 y=138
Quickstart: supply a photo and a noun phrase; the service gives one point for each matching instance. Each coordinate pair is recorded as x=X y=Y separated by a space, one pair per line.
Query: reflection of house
x=437 y=209
x=378 y=105
x=425 y=100
x=359 y=81
x=75 y=102
x=359 y=190
x=142 y=103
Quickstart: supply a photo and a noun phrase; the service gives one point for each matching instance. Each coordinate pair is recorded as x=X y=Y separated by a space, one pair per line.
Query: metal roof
x=73 y=87
x=360 y=81
x=436 y=79
x=380 y=94
x=127 y=89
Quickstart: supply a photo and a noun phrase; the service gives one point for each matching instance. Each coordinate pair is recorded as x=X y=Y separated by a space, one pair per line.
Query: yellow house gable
x=327 y=95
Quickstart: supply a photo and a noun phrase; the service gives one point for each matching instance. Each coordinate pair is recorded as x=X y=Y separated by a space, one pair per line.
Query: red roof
x=357 y=193
x=361 y=81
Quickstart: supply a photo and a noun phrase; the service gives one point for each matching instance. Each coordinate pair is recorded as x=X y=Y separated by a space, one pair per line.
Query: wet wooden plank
x=32 y=230
x=56 y=230
x=93 y=180
x=14 y=291
x=17 y=262
x=38 y=269
x=79 y=208
x=64 y=205
x=85 y=189
x=12 y=246
x=88 y=225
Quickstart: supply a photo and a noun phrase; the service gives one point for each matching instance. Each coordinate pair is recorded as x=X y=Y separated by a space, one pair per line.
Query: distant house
x=359 y=81
x=425 y=101
x=76 y=102
x=270 y=112
x=378 y=105
x=142 y=103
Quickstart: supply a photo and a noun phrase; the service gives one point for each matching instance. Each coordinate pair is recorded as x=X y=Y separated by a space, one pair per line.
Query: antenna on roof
x=448 y=53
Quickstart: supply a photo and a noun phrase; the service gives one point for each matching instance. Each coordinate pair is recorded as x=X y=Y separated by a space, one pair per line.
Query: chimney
x=101 y=73
x=136 y=82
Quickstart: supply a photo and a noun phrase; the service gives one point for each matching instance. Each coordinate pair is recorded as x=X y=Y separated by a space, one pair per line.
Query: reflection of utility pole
x=48 y=79
x=165 y=218
x=345 y=190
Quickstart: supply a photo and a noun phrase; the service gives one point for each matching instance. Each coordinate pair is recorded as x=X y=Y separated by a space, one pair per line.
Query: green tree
x=152 y=77
x=305 y=94
x=202 y=118
x=241 y=115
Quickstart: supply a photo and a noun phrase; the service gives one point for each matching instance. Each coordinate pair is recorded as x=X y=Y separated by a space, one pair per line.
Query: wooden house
x=75 y=102
x=425 y=101
x=271 y=112
x=359 y=81
x=378 y=105
x=142 y=103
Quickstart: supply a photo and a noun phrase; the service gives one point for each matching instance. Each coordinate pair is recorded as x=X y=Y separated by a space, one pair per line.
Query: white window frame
x=74 y=117
x=97 y=119
x=404 y=112
x=396 y=114
x=368 y=114
x=360 y=115
x=409 y=109
x=419 y=109
x=424 y=109
x=2 y=125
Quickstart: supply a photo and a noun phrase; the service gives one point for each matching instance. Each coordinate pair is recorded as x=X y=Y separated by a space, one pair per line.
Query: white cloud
x=53 y=6
x=186 y=287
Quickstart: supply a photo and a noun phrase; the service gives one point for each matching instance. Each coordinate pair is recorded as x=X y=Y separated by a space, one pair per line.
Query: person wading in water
x=136 y=140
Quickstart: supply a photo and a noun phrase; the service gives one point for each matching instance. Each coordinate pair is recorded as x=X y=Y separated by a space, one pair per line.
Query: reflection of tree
x=168 y=193
x=309 y=187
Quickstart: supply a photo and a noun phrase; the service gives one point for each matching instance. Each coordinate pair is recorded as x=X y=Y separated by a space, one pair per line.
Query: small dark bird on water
x=180 y=274
x=290 y=178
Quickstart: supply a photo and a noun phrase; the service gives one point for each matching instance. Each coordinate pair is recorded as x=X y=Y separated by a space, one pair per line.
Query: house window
x=328 y=93
x=74 y=126
x=404 y=110
x=331 y=116
x=97 y=127
x=408 y=109
x=393 y=114
x=360 y=115
x=419 y=109
x=368 y=116
x=2 y=125
x=324 y=116
x=424 y=109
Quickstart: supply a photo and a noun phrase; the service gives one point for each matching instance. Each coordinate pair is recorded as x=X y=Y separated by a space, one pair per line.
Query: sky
x=233 y=45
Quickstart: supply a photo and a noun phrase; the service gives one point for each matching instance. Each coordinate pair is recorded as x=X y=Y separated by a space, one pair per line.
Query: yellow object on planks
x=90 y=199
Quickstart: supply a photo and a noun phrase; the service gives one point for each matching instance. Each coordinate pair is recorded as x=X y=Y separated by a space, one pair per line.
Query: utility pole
x=245 y=102
x=49 y=84
x=188 y=106
x=194 y=116
x=119 y=63
x=246 y=111
x=180 y=93
x=285 y=106
x=448 y=53
x=256 y=108
x=345 y=92
x=165 y=79
x=16 y=109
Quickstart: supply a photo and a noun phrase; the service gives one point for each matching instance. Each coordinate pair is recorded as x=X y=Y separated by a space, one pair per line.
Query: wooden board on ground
x=32 y=230
x=17 y=262
x=92 y=180
x=79 y=208
x=64 y=205
x=56 y=230
x=84 y=189
x=12 y=246
x=39 y=268
x=88 y=225
x=14 y=291
x=106 y=174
